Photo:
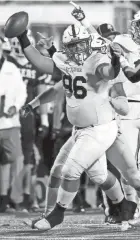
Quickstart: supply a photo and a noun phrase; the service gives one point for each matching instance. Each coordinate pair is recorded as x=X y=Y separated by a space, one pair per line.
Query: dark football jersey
x=31 y=76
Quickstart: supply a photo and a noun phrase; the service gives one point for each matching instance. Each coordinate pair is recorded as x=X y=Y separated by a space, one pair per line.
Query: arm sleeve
x=42 y=63
x=118 y=99
x=120 y=104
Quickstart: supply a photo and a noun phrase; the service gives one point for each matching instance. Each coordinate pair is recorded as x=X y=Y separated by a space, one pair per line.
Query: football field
x=89 y=225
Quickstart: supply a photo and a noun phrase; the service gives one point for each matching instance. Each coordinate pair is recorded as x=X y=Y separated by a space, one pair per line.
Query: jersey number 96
x=73 y=87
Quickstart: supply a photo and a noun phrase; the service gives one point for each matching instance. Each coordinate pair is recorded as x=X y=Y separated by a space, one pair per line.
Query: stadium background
x=52 y=17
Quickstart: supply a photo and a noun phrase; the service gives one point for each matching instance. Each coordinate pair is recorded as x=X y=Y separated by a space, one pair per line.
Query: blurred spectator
x=32 y=79
x=12 y=98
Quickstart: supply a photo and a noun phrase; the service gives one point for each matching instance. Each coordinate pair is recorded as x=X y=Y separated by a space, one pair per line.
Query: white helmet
x=77 y=43
x=15 y=45
x=134 y=28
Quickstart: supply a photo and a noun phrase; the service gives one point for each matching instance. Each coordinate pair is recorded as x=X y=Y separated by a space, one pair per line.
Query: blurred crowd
x=28 y=146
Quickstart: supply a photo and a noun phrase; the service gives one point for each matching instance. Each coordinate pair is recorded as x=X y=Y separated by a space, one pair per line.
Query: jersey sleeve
x=100 y=60
x=59 y=60
x=59 y=66
x=57 y=74
x=126 y=42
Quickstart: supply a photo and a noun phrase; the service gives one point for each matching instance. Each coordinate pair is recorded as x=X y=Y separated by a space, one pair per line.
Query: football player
x=33 y=79
x=72 y=62
x=69 y=95
x=131 y=53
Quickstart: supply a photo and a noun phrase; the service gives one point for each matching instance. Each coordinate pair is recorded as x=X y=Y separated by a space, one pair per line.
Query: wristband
x=24 y=40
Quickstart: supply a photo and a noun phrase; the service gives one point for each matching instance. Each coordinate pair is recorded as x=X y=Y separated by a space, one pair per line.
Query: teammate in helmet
x=131 y=53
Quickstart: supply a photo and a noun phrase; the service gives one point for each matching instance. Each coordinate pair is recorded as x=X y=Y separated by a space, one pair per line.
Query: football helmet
x=77 y=43
x=15 y=45
x=134 y=28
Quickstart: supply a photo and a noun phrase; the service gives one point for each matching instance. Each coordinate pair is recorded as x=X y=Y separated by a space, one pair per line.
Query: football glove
x=78 y=14
x=26 y=110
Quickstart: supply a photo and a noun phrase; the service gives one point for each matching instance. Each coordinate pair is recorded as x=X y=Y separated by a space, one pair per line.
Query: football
x=16 y=24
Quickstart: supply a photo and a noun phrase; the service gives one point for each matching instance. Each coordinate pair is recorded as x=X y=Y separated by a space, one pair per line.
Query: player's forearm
x=133 y=74
x=120 y=104
x=45 y=97
x=42 y=63
x=90 y=28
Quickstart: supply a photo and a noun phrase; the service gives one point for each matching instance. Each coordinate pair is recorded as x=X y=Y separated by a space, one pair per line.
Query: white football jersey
x=86 y=94
x=132 y=90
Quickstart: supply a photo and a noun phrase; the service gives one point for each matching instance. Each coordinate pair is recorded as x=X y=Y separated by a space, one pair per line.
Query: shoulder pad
x=126 y=42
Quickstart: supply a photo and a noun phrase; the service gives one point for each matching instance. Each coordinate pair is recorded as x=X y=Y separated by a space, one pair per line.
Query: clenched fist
x=78 y=14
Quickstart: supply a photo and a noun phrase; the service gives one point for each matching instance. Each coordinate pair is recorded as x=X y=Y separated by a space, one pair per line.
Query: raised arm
x=80 y=16
x=42 y=63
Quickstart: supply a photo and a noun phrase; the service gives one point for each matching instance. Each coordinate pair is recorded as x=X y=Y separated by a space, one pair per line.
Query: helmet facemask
x=78 y=50
x=134 y=28
x=134 y=31
x=77 y=44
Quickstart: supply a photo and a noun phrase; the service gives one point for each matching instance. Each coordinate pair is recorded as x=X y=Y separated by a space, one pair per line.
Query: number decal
x=72 y=87
x=67 y=83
